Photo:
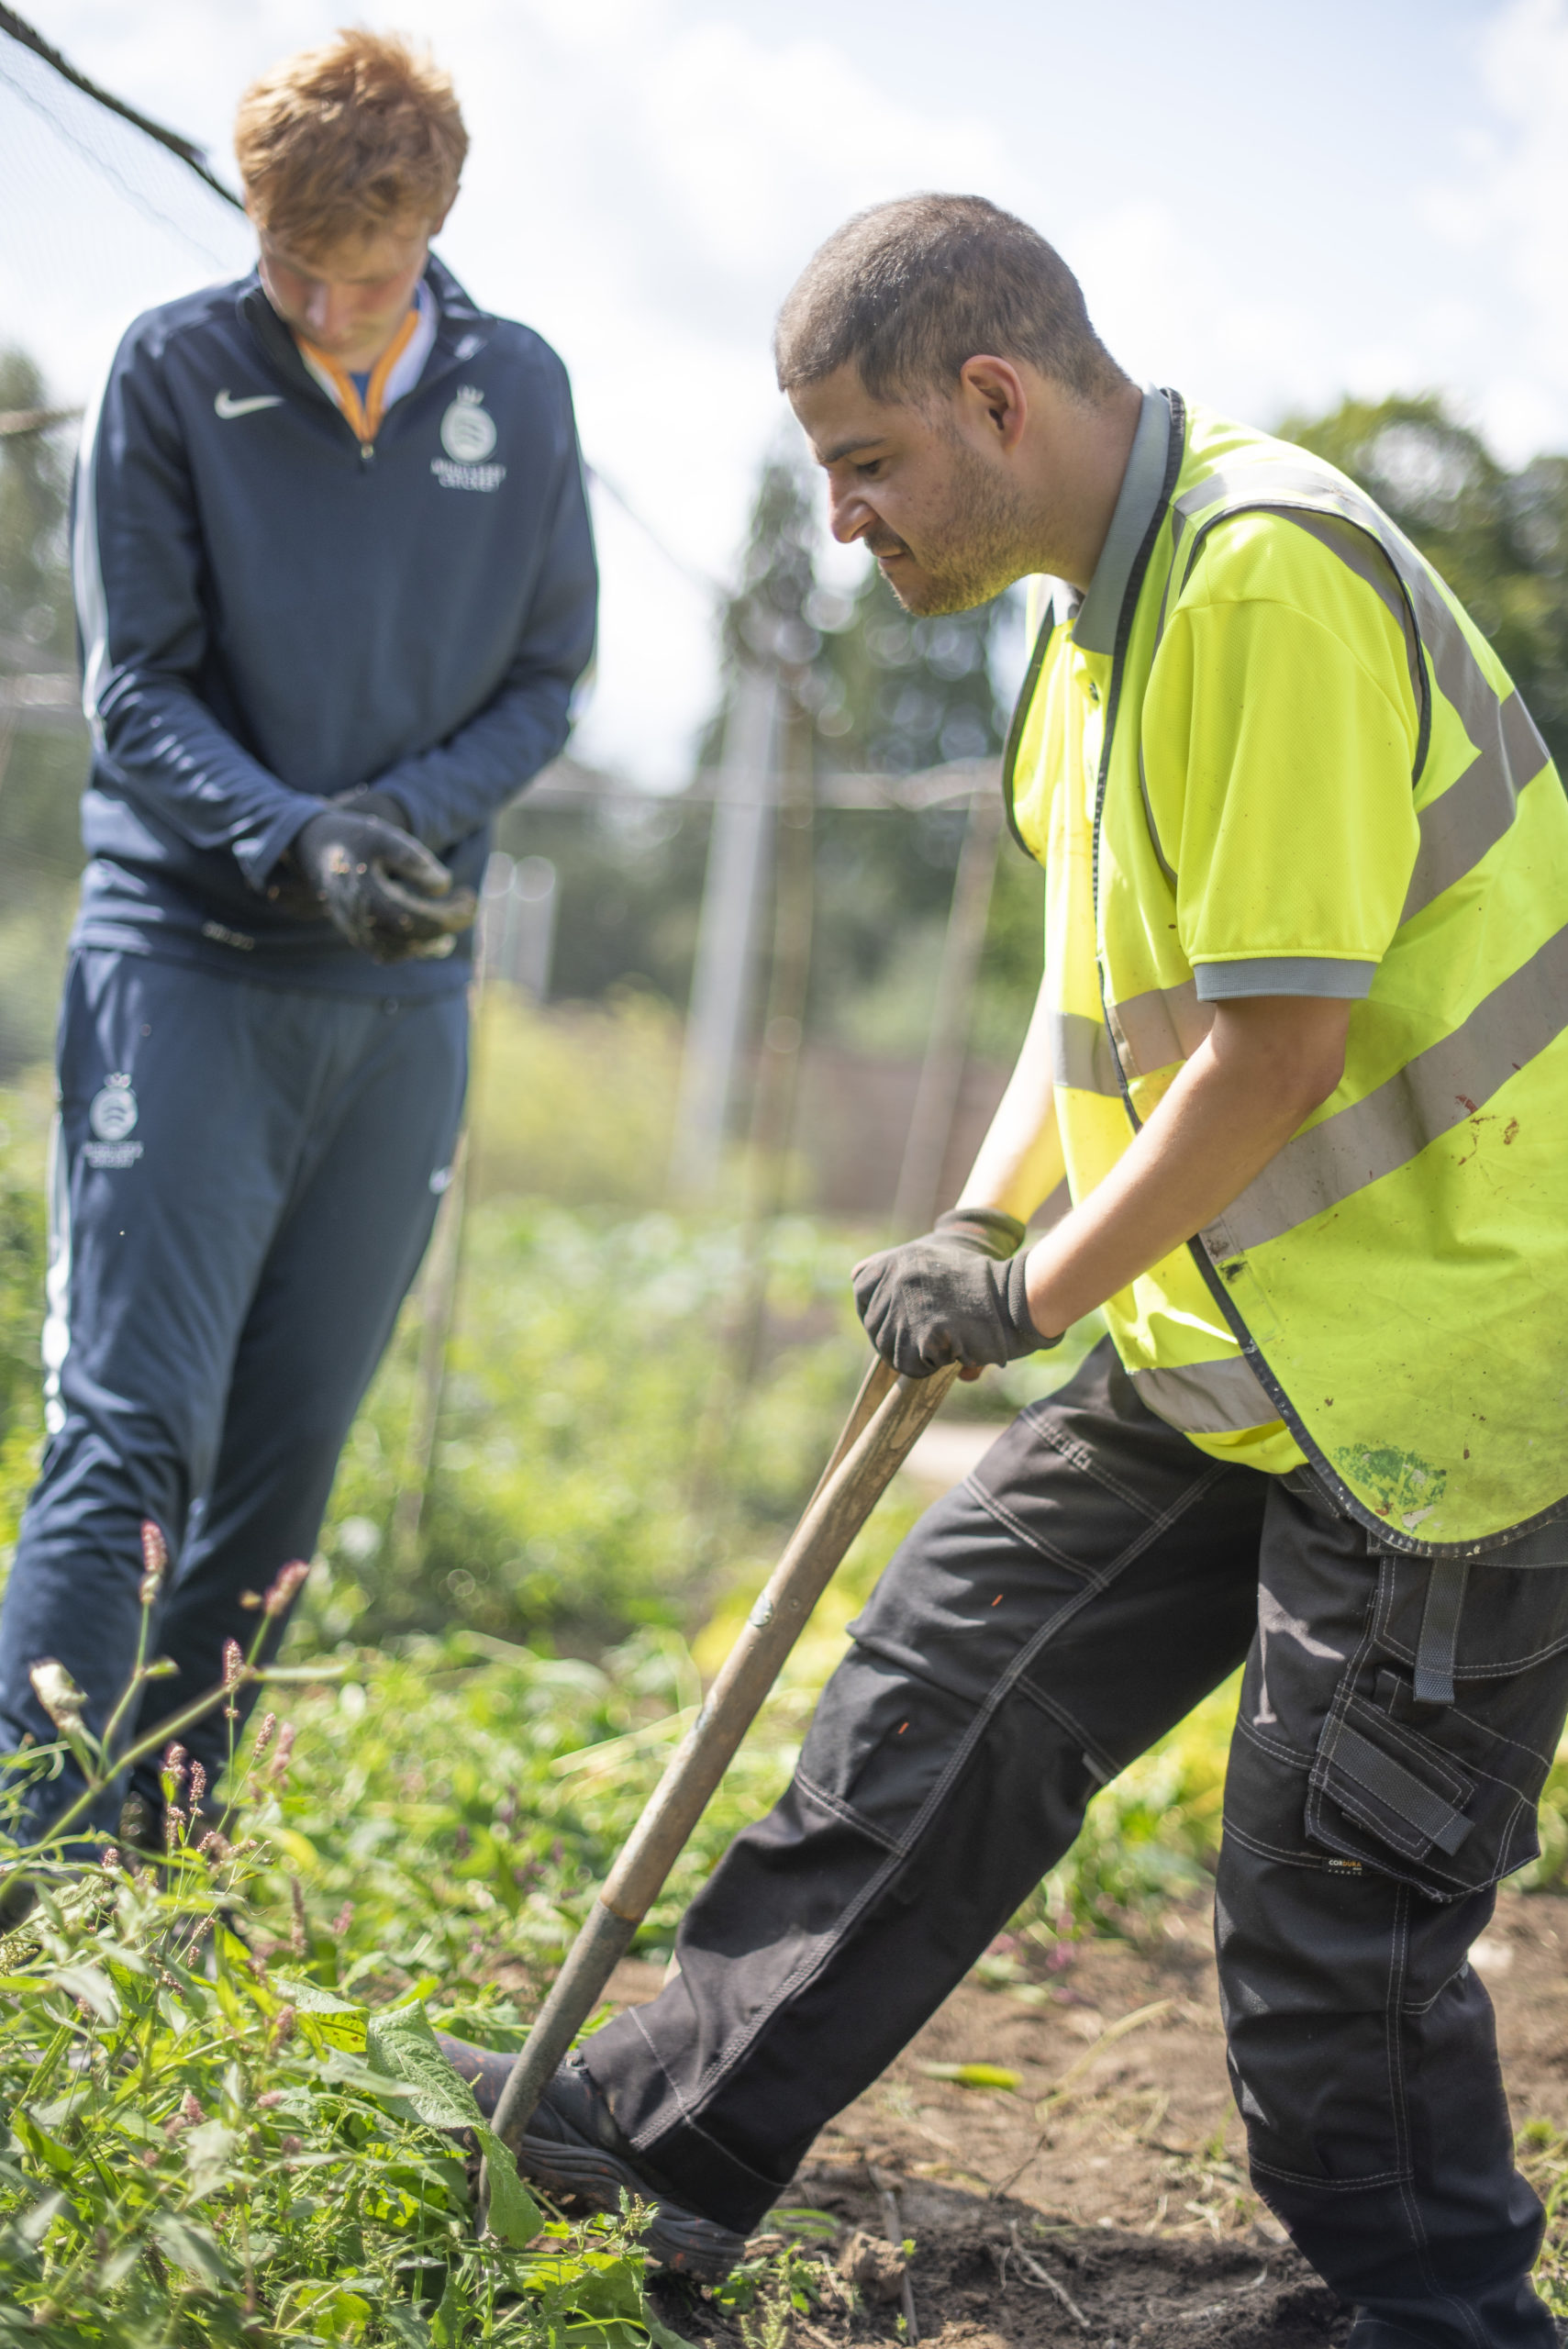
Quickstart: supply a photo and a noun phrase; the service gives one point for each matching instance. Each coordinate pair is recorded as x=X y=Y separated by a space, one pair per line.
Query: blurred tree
x=883 y=693
x=35 y=493
x=41 y=772
x=899 y=695
x=768 y=619
x=1500 y=539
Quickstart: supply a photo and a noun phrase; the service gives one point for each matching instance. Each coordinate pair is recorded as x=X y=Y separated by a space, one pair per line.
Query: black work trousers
x=1042 y=1625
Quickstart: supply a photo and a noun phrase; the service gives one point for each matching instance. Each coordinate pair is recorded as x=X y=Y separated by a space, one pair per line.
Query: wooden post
x=941 y=1073
x=437 y=1310
x=722 y=981
x=443 y=1264
x=783 y=1031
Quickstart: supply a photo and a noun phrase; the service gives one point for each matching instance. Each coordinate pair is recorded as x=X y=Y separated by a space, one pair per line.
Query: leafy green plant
x=589 y=1358
x=22 y=1121
x=103 y=1756
x=209 y=2146
x=781 y=2278
x=1541 y=2151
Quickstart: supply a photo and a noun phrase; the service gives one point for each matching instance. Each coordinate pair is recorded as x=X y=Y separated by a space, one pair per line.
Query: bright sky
x=1268 y=207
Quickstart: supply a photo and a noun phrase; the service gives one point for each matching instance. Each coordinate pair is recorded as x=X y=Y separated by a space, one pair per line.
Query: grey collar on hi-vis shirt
x=1094 y=629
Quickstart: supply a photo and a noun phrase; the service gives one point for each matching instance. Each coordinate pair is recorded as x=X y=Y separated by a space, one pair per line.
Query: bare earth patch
x=1103 y=2200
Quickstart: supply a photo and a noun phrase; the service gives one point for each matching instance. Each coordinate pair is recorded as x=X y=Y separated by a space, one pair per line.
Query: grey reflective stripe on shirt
x=1473 y=813
x=1253 y=485
x=1359 y=551
x=1159 y=1027
x=1477 y=808
x=1464 y=822
x=1207 y=1397
x=1082 y=1055
x=1434 y=1092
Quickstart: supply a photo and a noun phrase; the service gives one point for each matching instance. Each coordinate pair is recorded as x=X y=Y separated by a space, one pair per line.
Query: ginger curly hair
x=361 y=135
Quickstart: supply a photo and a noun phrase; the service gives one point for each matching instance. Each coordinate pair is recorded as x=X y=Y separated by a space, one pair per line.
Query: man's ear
x=995 y=392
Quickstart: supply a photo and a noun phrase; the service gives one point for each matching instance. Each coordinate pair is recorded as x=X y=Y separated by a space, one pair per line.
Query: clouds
x=1167 y=296
x=647 y=176
x=765 y=148
x=644 y=189
x=1504 y=211
x=87 y=243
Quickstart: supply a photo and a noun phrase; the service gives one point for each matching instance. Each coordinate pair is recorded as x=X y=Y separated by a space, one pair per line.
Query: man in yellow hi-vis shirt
x=1300 y=1055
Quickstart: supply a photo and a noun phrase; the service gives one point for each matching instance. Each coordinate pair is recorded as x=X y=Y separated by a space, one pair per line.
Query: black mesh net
x=99 y=218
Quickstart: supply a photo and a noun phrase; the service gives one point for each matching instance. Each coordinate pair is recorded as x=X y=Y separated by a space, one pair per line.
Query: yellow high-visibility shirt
x=1280 y=723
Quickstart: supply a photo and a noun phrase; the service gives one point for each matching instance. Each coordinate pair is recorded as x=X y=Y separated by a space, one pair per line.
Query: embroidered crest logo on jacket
x=468 y=434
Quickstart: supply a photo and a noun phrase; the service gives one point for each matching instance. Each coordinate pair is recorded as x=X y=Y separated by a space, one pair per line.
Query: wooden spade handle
x=889 y=1412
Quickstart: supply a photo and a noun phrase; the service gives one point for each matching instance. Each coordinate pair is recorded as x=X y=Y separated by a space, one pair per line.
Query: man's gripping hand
x=383 y=889
x=956 y=1295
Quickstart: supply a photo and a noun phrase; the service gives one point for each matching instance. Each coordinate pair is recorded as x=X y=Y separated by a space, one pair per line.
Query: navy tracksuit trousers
x=1039 y=1628
x=244 y=1182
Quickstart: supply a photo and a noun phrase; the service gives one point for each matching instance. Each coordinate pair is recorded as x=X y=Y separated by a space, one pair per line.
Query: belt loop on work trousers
x=1440 y=1631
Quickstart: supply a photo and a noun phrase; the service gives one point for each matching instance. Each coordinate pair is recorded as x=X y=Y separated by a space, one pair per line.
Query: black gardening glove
x=387 y=894
x=956 y=1295
x=365 y=799
x=289 y=890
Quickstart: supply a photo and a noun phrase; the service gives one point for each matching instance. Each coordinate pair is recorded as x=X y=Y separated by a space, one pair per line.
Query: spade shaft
x=889 y=1413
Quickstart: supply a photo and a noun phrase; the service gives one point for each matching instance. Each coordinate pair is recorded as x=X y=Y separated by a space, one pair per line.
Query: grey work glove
x=956 y=1295
x=383 y=889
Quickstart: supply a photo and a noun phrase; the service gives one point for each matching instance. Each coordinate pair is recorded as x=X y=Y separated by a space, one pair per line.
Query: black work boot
x=572 y=2148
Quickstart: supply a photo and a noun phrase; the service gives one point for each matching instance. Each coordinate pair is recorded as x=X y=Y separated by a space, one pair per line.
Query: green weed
x=208 y=2143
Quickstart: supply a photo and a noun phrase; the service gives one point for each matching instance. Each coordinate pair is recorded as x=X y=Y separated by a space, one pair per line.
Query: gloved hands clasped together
x=389 y=896
x=956 y=1295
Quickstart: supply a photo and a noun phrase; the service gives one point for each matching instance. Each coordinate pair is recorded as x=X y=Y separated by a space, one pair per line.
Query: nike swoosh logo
x=227 y=406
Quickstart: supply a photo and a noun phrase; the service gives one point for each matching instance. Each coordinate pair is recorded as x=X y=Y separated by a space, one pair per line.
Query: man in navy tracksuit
x=335 y=583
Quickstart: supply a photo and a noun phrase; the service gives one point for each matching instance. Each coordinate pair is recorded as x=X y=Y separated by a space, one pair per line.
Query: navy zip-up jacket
x=271 y=614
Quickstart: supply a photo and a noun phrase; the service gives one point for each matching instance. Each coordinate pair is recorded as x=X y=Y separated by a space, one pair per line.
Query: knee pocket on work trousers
x=880 y=1744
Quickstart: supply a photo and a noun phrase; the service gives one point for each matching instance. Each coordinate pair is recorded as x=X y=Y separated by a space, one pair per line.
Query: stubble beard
x=974 y=550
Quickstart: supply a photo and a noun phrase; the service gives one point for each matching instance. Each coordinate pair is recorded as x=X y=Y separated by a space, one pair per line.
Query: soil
x=1104 y=2199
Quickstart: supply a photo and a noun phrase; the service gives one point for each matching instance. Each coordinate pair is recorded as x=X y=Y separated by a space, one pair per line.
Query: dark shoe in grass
x=485 y=2071
x=572 y=2148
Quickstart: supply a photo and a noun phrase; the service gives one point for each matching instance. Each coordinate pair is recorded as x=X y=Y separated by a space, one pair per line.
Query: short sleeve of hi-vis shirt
x=1280 y=729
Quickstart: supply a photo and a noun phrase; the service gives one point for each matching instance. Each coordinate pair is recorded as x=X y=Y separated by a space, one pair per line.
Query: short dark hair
x=909 y=290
